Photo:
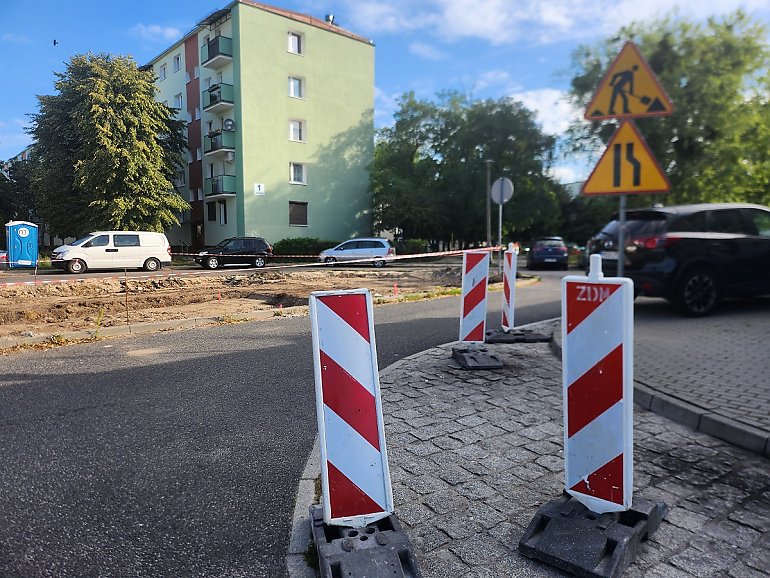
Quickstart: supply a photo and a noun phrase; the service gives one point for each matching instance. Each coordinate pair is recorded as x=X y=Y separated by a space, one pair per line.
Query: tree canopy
x=429 y=171
x=716 y=144
x=106 y=151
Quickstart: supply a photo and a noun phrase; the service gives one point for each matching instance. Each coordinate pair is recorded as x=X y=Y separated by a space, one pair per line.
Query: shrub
x=414 y=247
x=302 y=246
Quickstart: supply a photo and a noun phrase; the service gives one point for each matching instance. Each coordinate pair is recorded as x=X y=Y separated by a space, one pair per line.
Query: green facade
x=336 y=112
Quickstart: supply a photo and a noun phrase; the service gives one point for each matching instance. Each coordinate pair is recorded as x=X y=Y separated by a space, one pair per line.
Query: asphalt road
x=178 y=453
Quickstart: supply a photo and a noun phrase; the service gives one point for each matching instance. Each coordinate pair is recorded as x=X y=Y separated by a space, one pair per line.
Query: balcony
x=218 y=99
x=217 y=52
x=218 y=144
x=220 y=187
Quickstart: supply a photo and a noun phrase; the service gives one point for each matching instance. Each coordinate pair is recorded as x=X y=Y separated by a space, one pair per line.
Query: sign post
x=501 y=192
x=628 y=90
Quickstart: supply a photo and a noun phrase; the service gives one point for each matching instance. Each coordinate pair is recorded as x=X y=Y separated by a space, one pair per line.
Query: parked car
x=376 y=249
x=692 y=255
x=548 y=252
x=248 y=251
x=146 y=250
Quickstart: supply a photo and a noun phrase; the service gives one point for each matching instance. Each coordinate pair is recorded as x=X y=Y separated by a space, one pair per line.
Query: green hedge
x=302 y=246
x=413 y=247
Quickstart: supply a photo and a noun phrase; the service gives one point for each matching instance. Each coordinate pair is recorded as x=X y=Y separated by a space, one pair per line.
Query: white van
x=114 y=250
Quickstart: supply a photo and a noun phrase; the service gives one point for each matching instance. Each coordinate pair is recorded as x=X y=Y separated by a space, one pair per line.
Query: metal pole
x=622 y=237
x=500 y=240
x=489 y=162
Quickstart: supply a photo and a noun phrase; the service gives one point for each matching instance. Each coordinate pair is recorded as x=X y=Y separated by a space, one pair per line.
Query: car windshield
x=549 y=243
x=222 y=244
x=638 y=224
x=81 y=241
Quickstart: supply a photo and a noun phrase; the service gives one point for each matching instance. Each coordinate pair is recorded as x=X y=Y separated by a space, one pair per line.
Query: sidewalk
x=474 y=454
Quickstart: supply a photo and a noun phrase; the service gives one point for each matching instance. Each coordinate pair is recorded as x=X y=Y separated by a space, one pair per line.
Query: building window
x=178 y=101
x=297 y=174
x=297 y=214
x=196 y=71
x=177 y=63
x=297 y=130
x=162 y=72
x=211 y=208
x=296 y=87
x=296 y=43
x=222 y=212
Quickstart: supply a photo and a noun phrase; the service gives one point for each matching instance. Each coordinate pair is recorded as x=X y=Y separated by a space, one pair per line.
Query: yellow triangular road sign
x=629 y=90
x=626 y=167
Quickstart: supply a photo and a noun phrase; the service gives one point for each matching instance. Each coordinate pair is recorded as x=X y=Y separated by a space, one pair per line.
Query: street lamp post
x=489 y=163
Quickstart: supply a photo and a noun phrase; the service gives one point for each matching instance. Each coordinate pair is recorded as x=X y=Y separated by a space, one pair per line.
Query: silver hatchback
x=374 y=249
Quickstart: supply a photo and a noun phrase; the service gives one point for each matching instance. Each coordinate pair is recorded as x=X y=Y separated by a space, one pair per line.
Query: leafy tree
x=429 y=172
x=106 y=150
x=715 y=147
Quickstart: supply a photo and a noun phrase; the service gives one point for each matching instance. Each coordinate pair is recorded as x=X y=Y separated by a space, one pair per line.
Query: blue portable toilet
x=22 y=244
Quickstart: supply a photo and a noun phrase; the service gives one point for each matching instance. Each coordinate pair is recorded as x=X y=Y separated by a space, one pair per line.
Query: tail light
x=655 y=242
x=391 y=251
x=168 y=250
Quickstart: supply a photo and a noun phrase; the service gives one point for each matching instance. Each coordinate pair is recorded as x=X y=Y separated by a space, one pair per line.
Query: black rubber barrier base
x=516 y=336
x=475 y=357
x=567 y=535
x=379 y=549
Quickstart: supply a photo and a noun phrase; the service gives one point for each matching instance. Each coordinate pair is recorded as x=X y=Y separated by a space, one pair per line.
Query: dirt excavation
x=53 y=309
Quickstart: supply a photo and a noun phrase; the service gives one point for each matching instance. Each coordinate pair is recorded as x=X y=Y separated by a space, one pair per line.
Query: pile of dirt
x=27 y=310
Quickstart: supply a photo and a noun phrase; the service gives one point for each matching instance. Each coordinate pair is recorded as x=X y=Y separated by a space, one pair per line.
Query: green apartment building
x=280 y=129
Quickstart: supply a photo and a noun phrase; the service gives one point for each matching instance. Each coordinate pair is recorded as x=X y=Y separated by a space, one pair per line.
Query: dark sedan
x=548 y=252
x=244 y=251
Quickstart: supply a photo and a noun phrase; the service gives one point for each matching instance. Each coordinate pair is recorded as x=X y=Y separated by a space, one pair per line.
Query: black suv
x=249 y=251
x=692 y=255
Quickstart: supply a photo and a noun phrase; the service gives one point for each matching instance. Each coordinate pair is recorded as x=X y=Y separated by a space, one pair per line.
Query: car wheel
x=259 y=262
x=330 y=260
x=212 y=263
x=152 y=264
x=379 y=263
x=76 y=266
x=698 y=292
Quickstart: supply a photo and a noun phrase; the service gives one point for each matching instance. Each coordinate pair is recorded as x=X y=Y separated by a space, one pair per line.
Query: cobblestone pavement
x=474 y=454
x=716 y=374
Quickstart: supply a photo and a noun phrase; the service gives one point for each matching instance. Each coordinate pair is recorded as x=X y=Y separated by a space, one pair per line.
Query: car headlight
x=202 y=253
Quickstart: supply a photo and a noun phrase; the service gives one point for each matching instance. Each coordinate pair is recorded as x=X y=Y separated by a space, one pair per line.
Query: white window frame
x=178 y=101
x=299 y=82
x=162 y=72
x=292 y=173
x=177 y=62
x=301 y=129
x=297 y=47
x=222 y=212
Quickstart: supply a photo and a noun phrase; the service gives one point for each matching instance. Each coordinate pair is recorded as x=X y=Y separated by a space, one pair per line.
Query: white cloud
x=554 y=111
x=385 y=105
x=501 y=22
x=495 y=78
x=15 y=38
x=427 y=51
x=156 y=33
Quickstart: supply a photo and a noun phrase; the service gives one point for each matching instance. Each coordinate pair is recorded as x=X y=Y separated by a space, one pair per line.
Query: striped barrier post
x=597 y=371
x=509 y=287
x=473 y=313
x=354 y=465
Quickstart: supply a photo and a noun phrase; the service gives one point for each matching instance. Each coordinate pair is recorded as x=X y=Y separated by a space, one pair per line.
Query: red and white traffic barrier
x=597 y=371
x=509 y=286
x=473 y=313
x=354 y=464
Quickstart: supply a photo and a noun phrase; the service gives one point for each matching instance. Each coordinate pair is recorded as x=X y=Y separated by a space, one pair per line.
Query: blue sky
x=485 y=48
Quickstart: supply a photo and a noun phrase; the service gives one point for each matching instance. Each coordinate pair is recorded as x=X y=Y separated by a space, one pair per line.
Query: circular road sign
x=502 y=191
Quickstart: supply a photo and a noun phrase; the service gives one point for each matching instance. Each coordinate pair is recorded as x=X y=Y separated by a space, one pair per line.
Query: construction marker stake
x=509 y=286
x=354 y=464
x=473 y=312
x=597 y=371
